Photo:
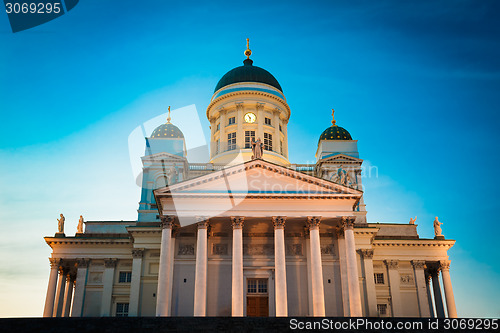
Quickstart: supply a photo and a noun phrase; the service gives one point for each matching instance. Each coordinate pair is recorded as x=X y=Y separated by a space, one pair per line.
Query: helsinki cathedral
x=249 y=232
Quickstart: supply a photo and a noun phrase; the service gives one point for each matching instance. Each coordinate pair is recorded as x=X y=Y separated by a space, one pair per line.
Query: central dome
x=248 y=73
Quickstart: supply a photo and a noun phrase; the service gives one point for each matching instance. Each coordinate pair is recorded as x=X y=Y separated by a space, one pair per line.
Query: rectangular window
x=268 y=121
x=122 y=309
x=249 y=137
x=125 y=277
x=257 y=286
x=281 y=129
x=268 y=141
x=231 y=141
x=218 y=127
x=232 y=120
x=379 y=278
x=382 y=309
x=217 y=146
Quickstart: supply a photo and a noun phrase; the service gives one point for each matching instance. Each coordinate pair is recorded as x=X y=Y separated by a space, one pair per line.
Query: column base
x=439 y=237
x=60 y=234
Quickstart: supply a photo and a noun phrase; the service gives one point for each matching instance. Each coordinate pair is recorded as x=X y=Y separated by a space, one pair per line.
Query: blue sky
x=416 y=82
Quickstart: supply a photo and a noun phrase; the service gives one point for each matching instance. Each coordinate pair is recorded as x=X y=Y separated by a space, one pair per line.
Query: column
x=237 y=282
x=423 y=301
x=371 y=294
x=81 y=281
x=276 y=135
x=171 y=270
x=61 y=286
x=240 y=135
x=429 y=296
x=260 y=121
x=135 y=283
x=352 y=267
x=318 y=293
x=394 y=287
x=200 y=282
x=438 y=299
x=68 y=294
x=309 y=275
x=107 y=290
x=222 y=131
x=51 y=288
x=163 y=291
x=343 y=273
x=448 y=290
x=280 y=266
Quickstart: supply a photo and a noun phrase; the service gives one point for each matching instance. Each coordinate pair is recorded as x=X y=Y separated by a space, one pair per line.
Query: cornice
x=248 y=92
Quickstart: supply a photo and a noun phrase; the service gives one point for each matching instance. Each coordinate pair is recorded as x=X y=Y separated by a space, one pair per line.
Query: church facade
x=249 y=233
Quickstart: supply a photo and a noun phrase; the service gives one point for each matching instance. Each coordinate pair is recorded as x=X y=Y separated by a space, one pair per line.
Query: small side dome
x=167 y=131
x=335 y=132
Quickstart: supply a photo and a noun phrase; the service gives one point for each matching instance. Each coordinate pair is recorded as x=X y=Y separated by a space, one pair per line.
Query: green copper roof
x=335 y=132
x=248 y=73
x=167 y=131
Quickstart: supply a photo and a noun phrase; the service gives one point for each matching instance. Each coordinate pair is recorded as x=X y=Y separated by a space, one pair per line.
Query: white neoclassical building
x=249 y=233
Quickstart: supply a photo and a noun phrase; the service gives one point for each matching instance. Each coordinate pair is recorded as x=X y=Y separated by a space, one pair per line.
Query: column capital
x=167 y=221
x=202 y=222
x=110 y=263
x=137 y=253
x=239 y=105
x=237 y=222
x=366 y=253
x=82 y=263
x=392 y=264
x=313 y=222
x=307 y=232
x=54 y=262
x=279 y=222
x=444 y=265
x=434 y=270
x=63 y=270
x=418 y=264
x=348 y=222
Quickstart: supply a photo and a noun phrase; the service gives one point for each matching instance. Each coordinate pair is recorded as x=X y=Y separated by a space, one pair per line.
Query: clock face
x=250 y=117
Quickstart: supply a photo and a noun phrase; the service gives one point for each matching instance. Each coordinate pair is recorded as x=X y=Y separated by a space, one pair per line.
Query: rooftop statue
x=412 y=221
x=60 y=225
x=437 y=227
x=79 y=228
x=257 y=149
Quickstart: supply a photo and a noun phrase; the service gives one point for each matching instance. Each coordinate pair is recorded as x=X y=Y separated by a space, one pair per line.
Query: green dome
x=248 y=73
x=335 y=132
x=167 y=131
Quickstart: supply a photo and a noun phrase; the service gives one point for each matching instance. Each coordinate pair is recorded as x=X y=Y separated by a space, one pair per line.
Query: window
x=249 y=137
x=122 y=309
x=268 y=121
x=232 y=120
x=125 y=277
x=281 y=129
x=268 y=141
x=281 y=147
x=231 y=141
x=382 y=309
x=217 y=145
x=379 y=278
x=257 y=286
x=218 y=127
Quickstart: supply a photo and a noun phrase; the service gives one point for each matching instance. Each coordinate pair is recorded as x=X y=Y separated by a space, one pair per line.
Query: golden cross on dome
x=333 y=117
x=168 y=118
x=248 y=52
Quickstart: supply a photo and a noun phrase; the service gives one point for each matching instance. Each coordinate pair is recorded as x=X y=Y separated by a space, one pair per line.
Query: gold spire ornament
x=248 y=52
x=168 y=118
x=333 y=118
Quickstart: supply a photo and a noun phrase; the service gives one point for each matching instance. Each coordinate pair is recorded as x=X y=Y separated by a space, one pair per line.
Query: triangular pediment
x=163 y=156
x=341 y=158
x=258 y=178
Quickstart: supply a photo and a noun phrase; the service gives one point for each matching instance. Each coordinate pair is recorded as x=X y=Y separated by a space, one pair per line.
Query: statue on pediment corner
x=412 y=221
x=60 y=224
x=257 y=149
x=437 y=228
x=79 y=227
